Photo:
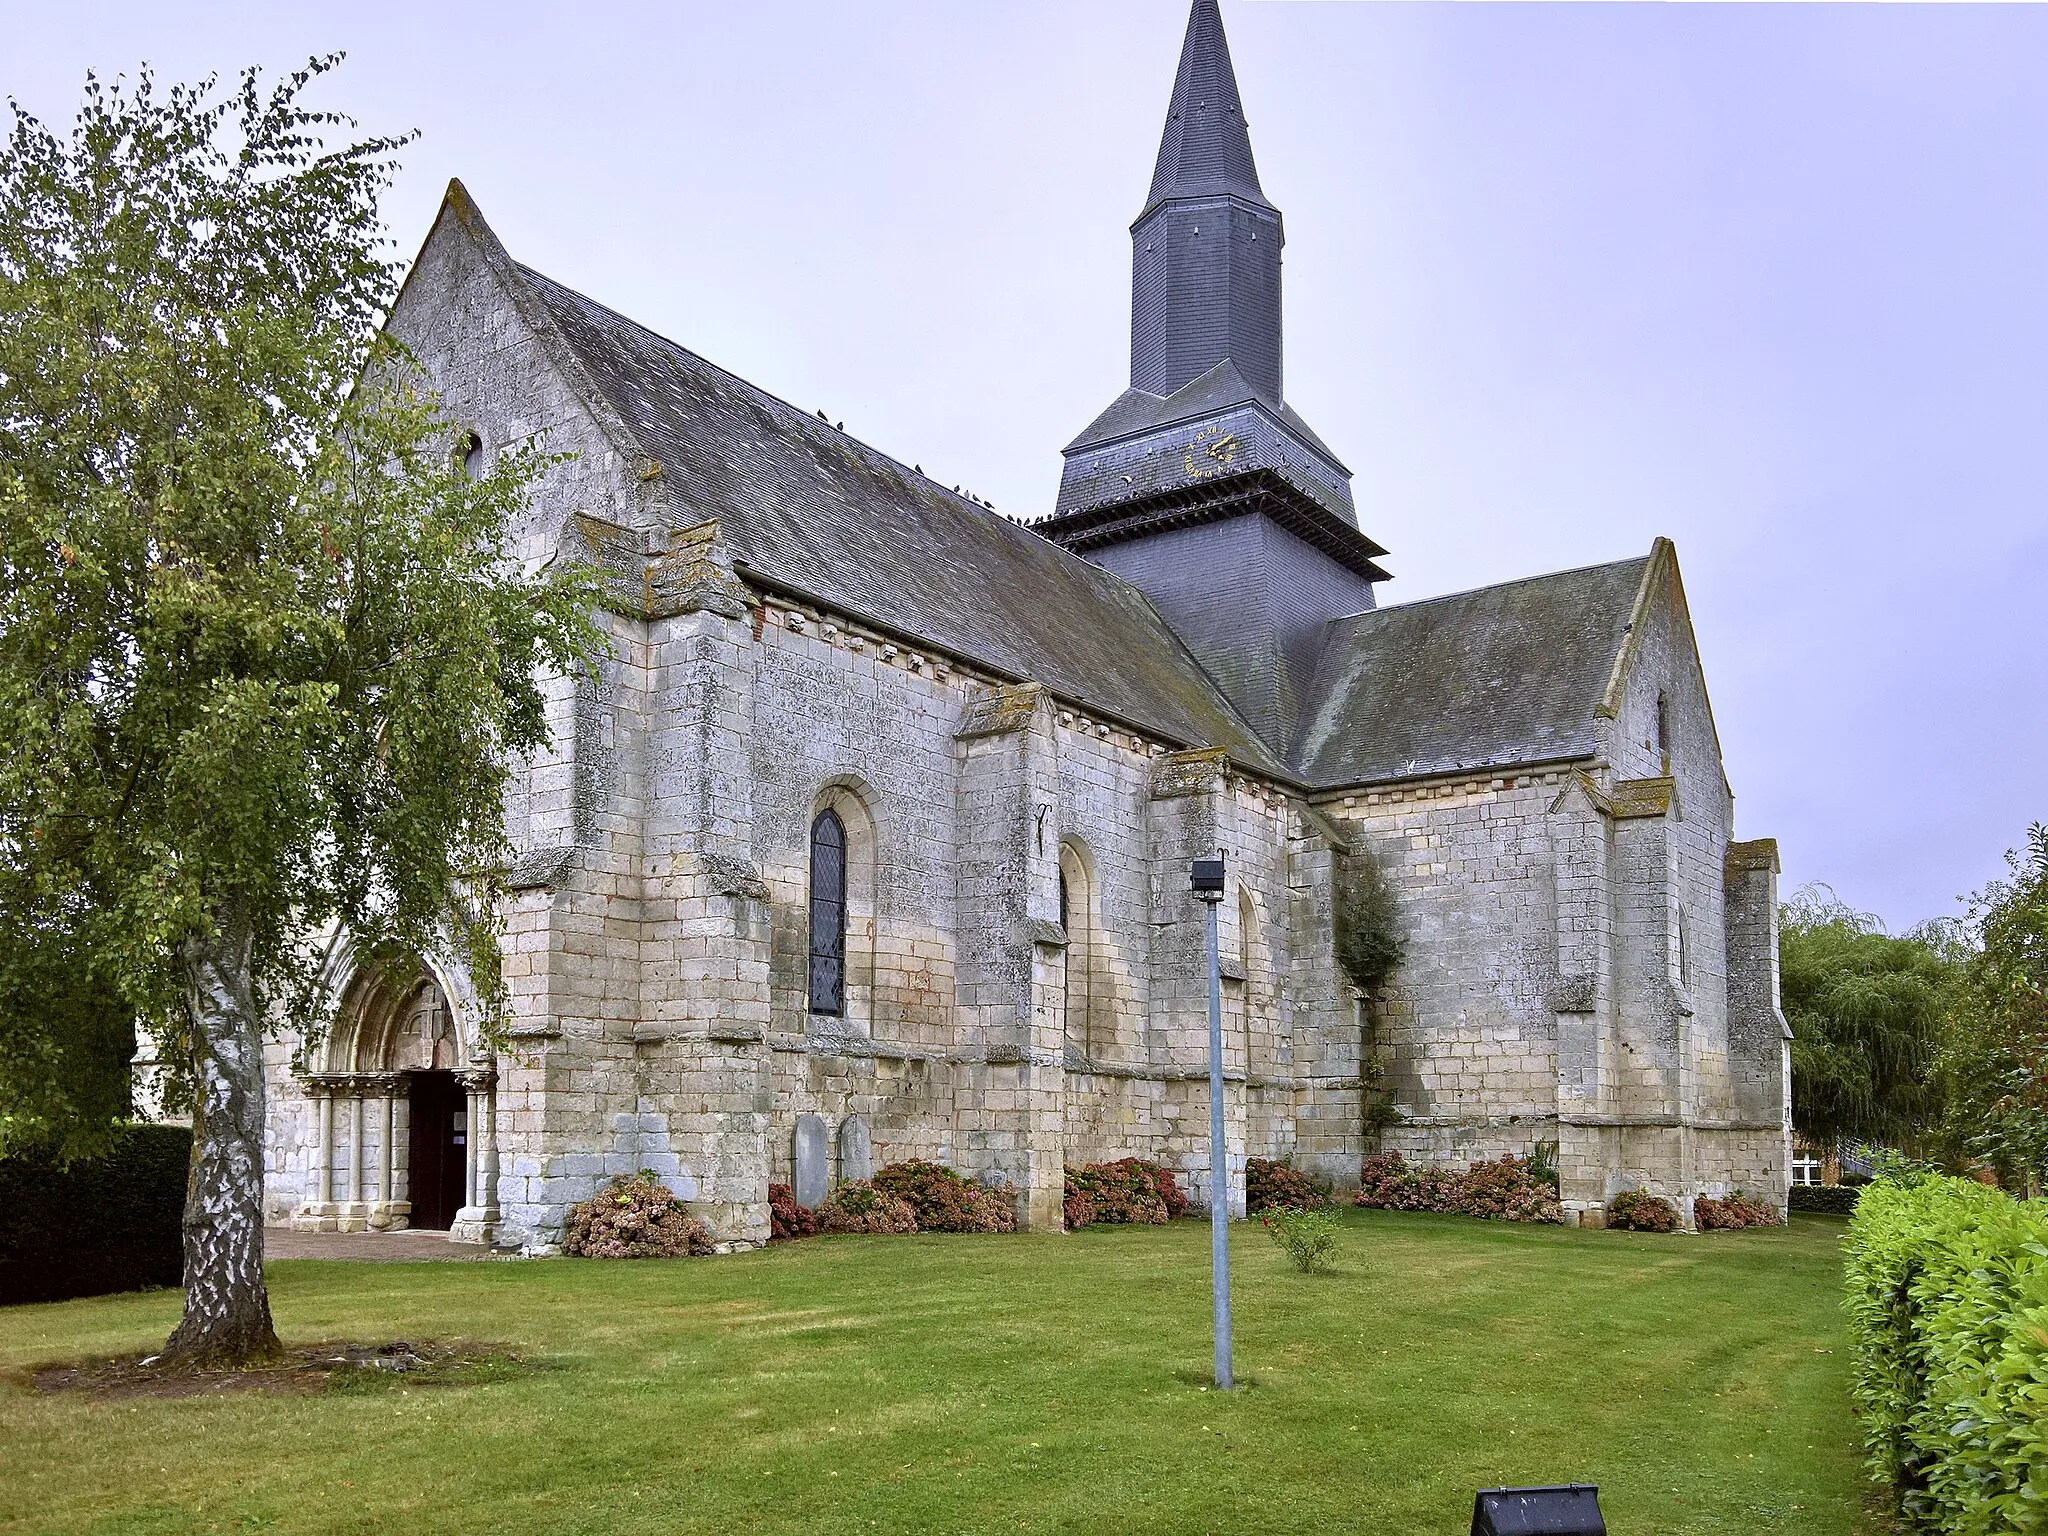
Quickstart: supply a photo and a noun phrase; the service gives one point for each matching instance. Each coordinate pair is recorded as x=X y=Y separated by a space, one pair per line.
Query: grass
x=847 y=1385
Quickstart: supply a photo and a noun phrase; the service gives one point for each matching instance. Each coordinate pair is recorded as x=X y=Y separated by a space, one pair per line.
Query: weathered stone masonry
x=1023 y=752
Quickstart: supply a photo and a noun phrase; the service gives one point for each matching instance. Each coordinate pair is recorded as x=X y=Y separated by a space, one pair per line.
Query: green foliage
x=1636 y=1210
x=265 y=652
x=1947 y=1299
x=1270 y=1185
x=1369 y=941
x=1993 y=1068
x=108 y=1223
x=1825 y=1199
x=1866 y=1010
x=1306 y=1236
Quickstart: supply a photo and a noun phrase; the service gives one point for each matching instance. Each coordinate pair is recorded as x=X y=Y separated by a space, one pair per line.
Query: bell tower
x=1200 y=485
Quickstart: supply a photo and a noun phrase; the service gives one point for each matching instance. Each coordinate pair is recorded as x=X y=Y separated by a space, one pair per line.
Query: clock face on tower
x=1214 y=451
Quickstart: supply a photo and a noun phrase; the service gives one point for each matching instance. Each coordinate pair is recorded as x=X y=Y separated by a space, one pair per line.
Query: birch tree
x=263 y=654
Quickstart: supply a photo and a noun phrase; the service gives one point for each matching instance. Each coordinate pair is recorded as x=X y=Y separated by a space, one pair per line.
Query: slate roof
x=1139 y=410
x=809 y=509
x=1504 y=675
x=1206 y=150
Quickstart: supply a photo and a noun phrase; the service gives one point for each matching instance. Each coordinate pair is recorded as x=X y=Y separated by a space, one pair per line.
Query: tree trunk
x=227 y=1308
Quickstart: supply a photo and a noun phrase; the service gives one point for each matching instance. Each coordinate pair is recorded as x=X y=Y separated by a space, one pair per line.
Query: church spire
x=1205 y=254
x=1199 y=485
x=1205 y=151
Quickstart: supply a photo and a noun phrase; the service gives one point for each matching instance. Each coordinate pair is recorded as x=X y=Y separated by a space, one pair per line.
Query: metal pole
x=1219 y=1165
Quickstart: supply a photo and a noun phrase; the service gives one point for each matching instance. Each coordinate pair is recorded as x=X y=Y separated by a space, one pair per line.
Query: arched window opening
x=469 y=456
x=1247 y=952
x=828 y=914
x=1077 y=920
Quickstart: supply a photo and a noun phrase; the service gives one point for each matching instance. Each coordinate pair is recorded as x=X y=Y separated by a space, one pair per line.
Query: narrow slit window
x=828 y=914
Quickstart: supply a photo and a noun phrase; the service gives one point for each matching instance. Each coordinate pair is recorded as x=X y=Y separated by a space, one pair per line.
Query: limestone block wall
x=1466 y=1026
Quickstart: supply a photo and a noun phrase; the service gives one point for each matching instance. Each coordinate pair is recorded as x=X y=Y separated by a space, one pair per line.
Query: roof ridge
x=810 y=421
x=1494 y=586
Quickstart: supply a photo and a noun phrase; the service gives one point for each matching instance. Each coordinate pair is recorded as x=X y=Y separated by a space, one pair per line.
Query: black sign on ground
x=1573 y=1510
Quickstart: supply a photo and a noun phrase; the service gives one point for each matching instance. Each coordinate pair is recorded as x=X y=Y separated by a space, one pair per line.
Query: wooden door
x=435 y=1168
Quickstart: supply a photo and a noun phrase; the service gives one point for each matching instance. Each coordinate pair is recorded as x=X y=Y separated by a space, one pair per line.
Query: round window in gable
x=469 y=456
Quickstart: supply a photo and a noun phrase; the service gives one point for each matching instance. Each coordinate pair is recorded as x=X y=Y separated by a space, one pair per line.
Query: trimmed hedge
x=1948 y=1315
x=113 y=1223
x=1826 y=1199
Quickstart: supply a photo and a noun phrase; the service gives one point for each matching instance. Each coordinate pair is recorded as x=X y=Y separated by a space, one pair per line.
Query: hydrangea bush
x=857 y=1206
x=1509 y=1189
x=636 y=1216
x=1129 y=1190
x=1637 y=1210
x=1736 y=1211
x=1270 y=1185
x=945 y=1202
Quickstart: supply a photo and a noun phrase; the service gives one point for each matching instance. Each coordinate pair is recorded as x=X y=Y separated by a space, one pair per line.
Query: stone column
x=356 y=1213
x=384 y=1214
x=1582 y=1000
x=324 y=1184
x=1013 y=1101
x=705 y=1011
x=477 y=1221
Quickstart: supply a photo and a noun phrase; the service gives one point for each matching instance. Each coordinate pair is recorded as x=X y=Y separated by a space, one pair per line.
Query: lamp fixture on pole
x=1206 y=880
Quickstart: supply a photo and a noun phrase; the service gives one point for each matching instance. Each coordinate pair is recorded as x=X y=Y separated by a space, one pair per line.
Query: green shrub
x=1129 y=1190
x=1637 y=1210
x=945 y=1202
x=857 y=1206
x=635 y=1216
x=110 y=1223
x=1825 y=1199
x=1947 y=1296
x=1306 y=1236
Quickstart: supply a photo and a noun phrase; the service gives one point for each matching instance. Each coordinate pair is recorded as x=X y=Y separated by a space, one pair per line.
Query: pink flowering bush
x=945 y=1202
x=1636 y=1210
x=1509 y=1189
x=635 y=1217
x=1129 y=1190
x=1736 y=1211
x=857 y=1206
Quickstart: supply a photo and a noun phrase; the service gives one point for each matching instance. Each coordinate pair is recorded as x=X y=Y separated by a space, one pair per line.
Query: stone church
x=870 y=839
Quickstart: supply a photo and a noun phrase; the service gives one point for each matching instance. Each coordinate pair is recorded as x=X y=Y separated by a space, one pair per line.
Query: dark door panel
x=435 y=1171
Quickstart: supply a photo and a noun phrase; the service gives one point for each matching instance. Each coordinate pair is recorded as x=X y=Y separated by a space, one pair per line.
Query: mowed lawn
x=998 y=1384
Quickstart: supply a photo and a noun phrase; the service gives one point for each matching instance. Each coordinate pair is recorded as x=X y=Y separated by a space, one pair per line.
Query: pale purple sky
x=1766 y=279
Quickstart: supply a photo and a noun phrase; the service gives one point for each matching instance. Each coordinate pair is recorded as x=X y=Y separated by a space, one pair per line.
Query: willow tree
x=263 y=653
x=1867 y=1010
